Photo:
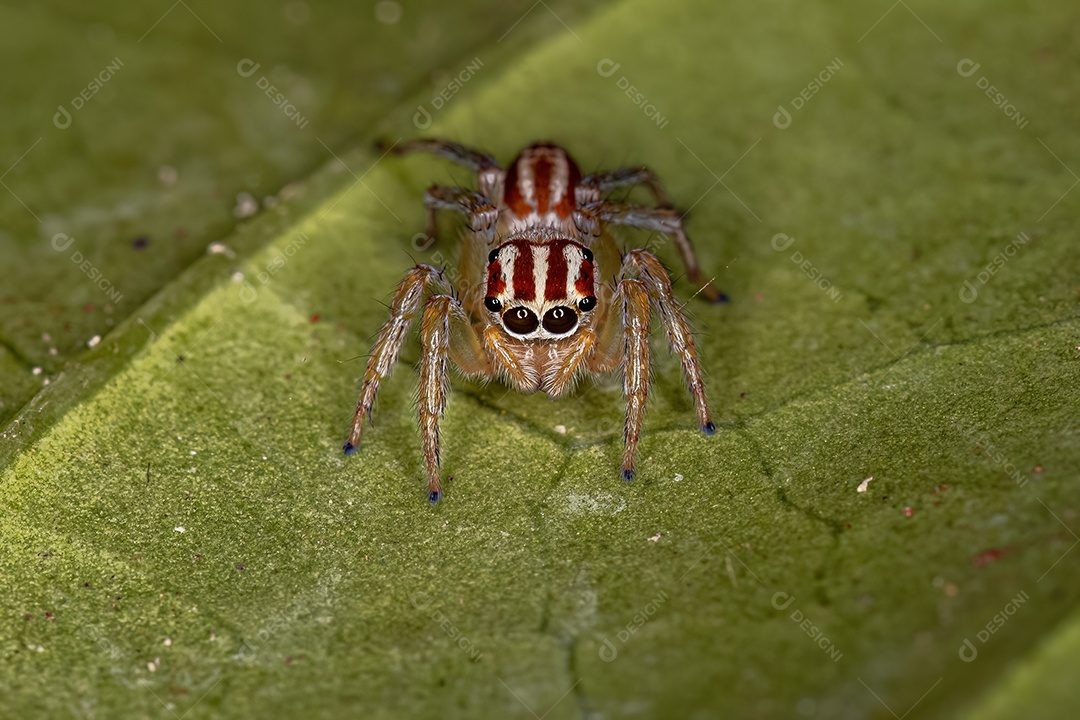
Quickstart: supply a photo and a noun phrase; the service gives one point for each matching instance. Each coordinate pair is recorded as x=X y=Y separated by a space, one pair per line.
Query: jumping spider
x=528 y=306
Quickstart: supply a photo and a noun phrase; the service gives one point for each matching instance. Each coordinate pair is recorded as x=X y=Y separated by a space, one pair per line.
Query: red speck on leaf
x=50 y=616
x=986 y=556
x=908 y=512
x=315 y=318
x=88 y=307
x=1038 y=468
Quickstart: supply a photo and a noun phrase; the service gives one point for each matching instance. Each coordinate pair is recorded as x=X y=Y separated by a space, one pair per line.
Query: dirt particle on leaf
x=987 y=556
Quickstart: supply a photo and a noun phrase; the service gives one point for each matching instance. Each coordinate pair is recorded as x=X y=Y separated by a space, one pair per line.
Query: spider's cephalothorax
x=531 y=310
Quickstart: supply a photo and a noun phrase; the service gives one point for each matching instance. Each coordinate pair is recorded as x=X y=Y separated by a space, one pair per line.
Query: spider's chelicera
x=527 y=305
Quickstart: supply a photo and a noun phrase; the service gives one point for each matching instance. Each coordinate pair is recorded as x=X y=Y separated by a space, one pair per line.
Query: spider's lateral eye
x=493 y=304
x=520 y=320
x=493 y=255
x=587 y=253
x=587 y=303
x=560 y=320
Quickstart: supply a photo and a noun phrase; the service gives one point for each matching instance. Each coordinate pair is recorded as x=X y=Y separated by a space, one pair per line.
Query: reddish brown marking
x=568 y=203
x=512 y=197
x=584 y=281
x=524 y=282
x=988 y=555
x=555 y=288
x=541 y=169
x=496 y=285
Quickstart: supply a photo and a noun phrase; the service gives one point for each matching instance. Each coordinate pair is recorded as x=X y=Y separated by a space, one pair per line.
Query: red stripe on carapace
x=524 y=282
x=496 y=284
x=584 y=282
x=512 y=197
x=568 y=202
x=555 y=287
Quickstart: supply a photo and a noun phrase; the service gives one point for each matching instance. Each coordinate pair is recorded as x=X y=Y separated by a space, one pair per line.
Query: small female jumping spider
x=527 y=306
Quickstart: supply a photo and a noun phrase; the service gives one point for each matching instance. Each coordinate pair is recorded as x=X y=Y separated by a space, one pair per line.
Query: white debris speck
x=36 y=648
x=167 y=642
x=53 y=351
x=678 y=477
x=92 y=342
x=180 y=529
x=217 y=248
x=194 y=451
x=864 y=484
x=238 y=277
x=388 y=12
x=167 y=175
x=191 y=470
x=246 y=205
x=561 y=429
x=36 y=370
x=504 y=533
x=655 y=538
x=152 y=665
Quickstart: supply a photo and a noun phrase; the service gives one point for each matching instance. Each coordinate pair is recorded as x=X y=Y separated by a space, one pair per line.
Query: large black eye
x=587 y=253
x=492 y=304
x=519 y=320
x=587 y=303
x=559 y=320
x=493 y=255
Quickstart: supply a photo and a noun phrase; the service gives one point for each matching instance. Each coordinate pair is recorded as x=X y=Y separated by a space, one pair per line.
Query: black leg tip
x=628 y=475
x=708 y=428
x=721 y=299
x=433 y=496
x=349 y=448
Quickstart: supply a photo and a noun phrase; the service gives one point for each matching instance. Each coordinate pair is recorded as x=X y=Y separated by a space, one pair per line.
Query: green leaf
x=201 y=543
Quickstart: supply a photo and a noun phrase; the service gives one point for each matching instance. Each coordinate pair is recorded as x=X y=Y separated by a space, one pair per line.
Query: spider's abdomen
x=540 y=188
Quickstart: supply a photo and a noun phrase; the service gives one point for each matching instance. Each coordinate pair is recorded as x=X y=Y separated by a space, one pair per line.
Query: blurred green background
x=193 y=270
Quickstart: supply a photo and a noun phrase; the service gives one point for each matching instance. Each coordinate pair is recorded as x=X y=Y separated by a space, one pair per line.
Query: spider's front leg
x=634 y=297
x=648 y=269
x=403 y=308
x=445 y=333
x=635 y=315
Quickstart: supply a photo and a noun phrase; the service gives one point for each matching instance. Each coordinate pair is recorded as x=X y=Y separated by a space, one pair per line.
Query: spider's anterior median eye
x=492 y=304
x=493 y=255
x=519 y=320
x=587 y=303
x=559 y=320
x=587 y=253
